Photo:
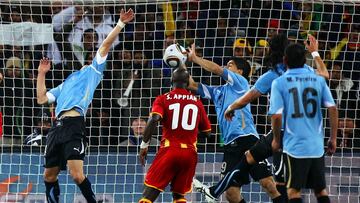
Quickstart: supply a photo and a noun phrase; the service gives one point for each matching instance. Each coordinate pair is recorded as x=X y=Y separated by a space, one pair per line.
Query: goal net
x=69 y=32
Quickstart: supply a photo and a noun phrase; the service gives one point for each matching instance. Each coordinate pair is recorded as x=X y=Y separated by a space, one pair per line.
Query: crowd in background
x=219 y=29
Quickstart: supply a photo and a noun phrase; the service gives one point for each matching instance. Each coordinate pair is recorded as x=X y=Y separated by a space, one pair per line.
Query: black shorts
x=263 y=150
x=233 y=153
x=305 y=173
x=66 y=140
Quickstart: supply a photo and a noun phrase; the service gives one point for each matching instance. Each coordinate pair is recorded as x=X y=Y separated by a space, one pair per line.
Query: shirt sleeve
x=158 y=107
x=327 y=98
x=263 y=84
x=98 y=63
x=237 y=81
x=276 y=99
x=205 y=91
x=54 y=93
x=204 y=125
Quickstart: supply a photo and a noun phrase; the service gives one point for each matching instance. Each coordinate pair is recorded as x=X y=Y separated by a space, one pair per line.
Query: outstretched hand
x=44 y=66
x=229 y=113
x=191 y=54
x=127 y=16
x=311 y=44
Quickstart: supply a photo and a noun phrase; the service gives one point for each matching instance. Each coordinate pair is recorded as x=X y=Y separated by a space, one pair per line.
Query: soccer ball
x=175 y=55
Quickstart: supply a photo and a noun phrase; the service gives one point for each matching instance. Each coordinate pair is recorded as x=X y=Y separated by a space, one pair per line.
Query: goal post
x=69 y=33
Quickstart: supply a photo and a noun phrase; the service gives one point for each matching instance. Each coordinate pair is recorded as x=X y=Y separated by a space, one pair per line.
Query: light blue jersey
x=298 y=95
x=263 y=84
x=242 y=123
x=78 y=88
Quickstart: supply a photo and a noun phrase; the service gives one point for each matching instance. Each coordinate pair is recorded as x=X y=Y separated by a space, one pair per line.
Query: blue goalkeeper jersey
x=78 y=88
x=242 y=123
x=298 y=95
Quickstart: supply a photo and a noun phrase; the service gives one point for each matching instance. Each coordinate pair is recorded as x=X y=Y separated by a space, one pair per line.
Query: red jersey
x=183 y=115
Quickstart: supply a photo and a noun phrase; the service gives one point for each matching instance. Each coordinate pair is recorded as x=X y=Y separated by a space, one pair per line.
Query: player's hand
x=229 y=113
x=331 y=147
x=275 y=145
x=313 y=45
x=127 y=16
x=143 y=155
x=191 y=54
x=44 y=66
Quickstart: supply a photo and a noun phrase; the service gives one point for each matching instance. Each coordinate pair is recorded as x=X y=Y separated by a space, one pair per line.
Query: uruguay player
x=297 y=96
x=65 y=141
x=240 y=134
x=262 y=149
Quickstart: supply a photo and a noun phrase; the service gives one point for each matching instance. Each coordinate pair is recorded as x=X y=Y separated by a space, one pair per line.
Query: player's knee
x=50 y=176
x=77 y=176
x=293 y=193
x=233 y=194
x=249 y=158
x=321 y=192
x=144 y=200
x=269 y=185
x=180 y=200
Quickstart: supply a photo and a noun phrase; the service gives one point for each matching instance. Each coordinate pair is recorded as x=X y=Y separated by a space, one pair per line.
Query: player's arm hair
x=41 y=89
x=248 y=97
x=321 y=67
x=333 y=116
x=106 y=45
x=151 y=126
x=209 y=65
x=193 y=85
x=276 y=120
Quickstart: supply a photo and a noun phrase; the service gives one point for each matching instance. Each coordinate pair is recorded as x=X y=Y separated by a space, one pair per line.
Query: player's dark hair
x=243 y=65
x=180 y=78
x=278 y=44
x=295 y=55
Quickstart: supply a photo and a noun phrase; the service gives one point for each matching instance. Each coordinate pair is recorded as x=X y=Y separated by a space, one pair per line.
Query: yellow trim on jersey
x=182 y=145
x=289 y=166
x=153 y=187
x=154 y=112
x=144 y=200
x=179 y=200
x=207 y=130
x=166 y=143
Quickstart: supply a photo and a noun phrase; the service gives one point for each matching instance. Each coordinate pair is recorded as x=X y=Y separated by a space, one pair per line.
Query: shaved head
x=180 y=78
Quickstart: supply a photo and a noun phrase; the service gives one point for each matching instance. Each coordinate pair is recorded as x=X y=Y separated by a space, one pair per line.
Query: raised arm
x=192 y=84
x=125 y=17
x=44 y=67
x=206 y=64
x=313 y=48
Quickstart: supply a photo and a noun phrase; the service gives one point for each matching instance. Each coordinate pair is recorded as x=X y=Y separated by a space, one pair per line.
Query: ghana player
x=183 y=116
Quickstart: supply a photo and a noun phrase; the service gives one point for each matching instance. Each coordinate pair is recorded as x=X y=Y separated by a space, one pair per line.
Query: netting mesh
x=69 y=34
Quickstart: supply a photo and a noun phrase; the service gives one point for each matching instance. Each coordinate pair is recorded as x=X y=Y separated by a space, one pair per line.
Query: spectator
x=260 y=51
x=13 y=93
x=344 y=92
x=43 y=123
x=242 y=48
x=136 y=134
